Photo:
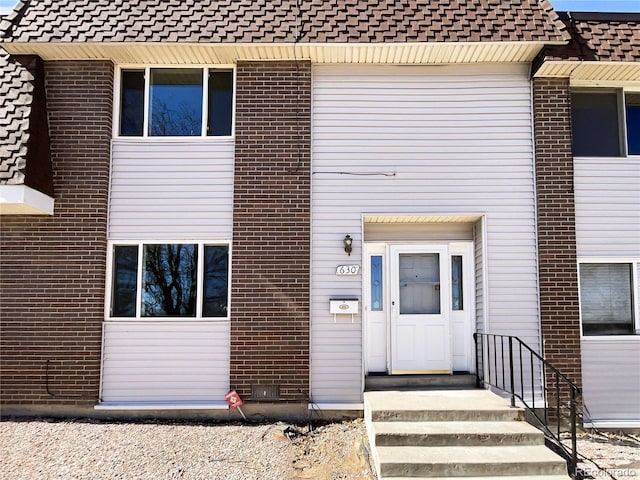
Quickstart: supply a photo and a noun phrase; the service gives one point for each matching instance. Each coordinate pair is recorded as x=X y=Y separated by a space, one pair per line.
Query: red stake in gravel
x=234 y=401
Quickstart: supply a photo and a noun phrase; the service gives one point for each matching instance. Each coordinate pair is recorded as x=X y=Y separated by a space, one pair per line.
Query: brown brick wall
x=558 y=271
x=271 y=229
x=53 y=268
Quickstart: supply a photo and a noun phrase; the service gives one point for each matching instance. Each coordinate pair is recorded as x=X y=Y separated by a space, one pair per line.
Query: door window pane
x=457 y=302
x=125 y=273
x=132 y=102
x=175 y=102
x=169 y=280
x=419 y=275
x=216 y=267
x=606 y=300
x=220 y=102
x=633 y=123
x=595 y=124
x=376 y=283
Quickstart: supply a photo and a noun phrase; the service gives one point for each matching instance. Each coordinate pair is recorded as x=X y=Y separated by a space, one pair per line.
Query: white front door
x=420 y=311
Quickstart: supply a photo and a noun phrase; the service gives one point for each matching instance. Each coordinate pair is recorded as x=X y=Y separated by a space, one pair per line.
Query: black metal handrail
x=502 y=362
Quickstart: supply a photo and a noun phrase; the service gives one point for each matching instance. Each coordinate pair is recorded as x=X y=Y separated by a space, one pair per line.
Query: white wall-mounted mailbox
x=342 y=306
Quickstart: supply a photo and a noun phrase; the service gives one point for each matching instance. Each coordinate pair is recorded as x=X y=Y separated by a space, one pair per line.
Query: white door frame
x=377 y=325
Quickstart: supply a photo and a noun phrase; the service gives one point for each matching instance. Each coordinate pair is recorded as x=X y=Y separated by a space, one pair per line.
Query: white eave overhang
x=591 y=73
x=23 y=200
x=421 y=218
x=227 y=54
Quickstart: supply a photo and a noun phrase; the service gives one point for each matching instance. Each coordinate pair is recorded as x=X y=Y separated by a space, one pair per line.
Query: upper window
x=605 y=123
x=169 y=280
x=607 y=302
x=176 y=102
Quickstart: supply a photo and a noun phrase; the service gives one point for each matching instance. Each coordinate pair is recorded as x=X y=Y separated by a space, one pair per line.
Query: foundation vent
x=265 y=392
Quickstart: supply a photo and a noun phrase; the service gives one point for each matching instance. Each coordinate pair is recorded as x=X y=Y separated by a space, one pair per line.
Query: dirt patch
x=335 y=451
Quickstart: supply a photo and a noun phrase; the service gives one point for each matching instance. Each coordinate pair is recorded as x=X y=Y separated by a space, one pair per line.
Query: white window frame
x=635 y=293
x=200 y=244
x=147 y=78
x=622 y=114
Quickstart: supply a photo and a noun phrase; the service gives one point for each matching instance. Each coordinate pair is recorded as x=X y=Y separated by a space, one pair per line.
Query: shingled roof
x=613 y=37
x=16 y=93
x=251 y=21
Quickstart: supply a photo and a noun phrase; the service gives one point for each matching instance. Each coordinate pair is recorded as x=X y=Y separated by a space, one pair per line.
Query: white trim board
x=162 y=406
x=336 y=406
x=23 y=200
x=604 y=424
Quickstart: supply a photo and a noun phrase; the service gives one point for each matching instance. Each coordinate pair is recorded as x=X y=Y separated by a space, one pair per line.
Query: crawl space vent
x=265 y=392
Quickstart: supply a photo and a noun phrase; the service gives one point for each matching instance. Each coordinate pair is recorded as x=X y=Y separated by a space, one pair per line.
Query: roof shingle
x=16 y=92
x=232 y=21
x=599 y=37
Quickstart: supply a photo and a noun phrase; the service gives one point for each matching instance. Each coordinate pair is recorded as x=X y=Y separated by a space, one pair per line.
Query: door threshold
x=457 y=380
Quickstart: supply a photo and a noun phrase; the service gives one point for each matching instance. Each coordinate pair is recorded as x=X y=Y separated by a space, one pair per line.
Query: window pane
x=376 y=283
x=220 y=102
x=175 y=102
x=595 y=123
x=633 y=123
x=125 y=274
x=456 y=283
x=169 y=280
x=132 y=102
x=216 y=268
x=605 y=298
x=419 y=283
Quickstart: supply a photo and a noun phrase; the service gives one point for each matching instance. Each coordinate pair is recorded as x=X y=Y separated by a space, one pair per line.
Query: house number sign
x=347 y=269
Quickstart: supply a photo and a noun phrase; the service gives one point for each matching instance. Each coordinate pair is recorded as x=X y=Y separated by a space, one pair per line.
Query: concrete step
x=468 y=461
x=455 y=433
x=438 y=405
x=409 y=382
x=432 y=434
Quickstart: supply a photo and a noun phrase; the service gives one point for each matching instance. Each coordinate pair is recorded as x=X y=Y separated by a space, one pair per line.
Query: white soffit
x=417 y=218
x=591 y=71
x=195 y=53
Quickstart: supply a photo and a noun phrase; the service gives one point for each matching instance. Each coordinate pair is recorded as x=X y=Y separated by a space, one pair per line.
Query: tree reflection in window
x=216 y=264
x=175 y=102
x=169 y=280
x=125 y=272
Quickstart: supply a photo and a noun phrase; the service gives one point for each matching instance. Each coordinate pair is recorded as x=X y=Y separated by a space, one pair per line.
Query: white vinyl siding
x=429 y=140
x=166 y=189
x=162 y=362
x=611 y=374
x=611 y=380
x=607 y=195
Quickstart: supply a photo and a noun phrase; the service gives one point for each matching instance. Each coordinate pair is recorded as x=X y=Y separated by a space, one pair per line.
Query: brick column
x=53 y=268
x=558 y=270
x=271 y=229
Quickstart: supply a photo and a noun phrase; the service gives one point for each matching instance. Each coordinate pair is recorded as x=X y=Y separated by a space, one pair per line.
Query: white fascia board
x=23 y=200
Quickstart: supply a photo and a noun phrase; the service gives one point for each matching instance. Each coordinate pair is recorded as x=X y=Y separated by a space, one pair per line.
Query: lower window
x=607 y=300
x=187 y=280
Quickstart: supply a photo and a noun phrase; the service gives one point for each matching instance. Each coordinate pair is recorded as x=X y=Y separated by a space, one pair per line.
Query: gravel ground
x=34 y=449
x=65 y=450
x=609 y=455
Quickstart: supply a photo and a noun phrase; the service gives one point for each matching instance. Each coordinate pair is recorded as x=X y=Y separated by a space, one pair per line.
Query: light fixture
x=348 y=244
